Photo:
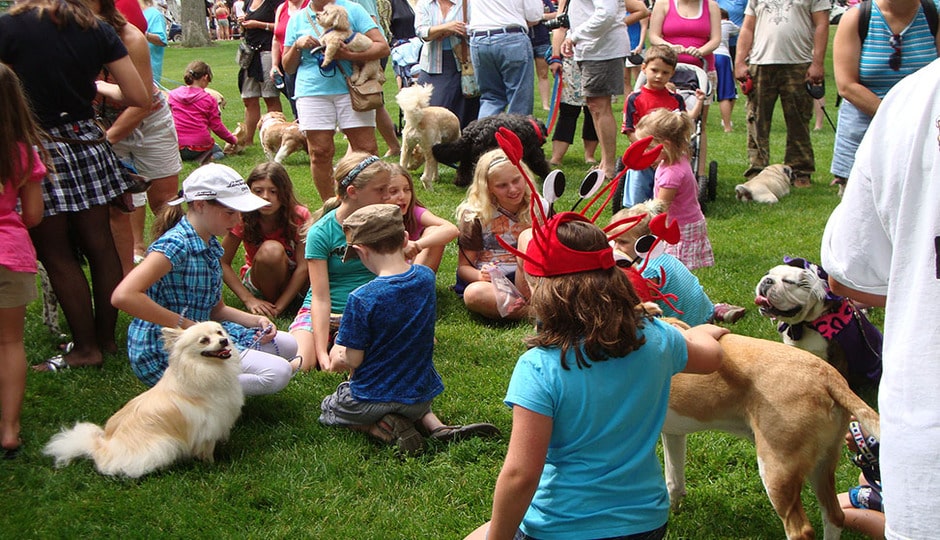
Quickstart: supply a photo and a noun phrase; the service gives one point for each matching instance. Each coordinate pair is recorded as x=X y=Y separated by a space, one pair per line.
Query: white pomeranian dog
x=193 y=406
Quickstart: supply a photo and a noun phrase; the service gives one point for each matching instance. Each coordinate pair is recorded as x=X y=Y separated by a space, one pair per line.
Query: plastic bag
x=508 y=297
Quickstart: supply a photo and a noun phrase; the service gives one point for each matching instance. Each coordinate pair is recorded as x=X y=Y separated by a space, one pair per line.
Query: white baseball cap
x=220 y=183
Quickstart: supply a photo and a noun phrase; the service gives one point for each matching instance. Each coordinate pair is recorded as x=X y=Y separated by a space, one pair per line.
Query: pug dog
x=767 y=187
x=814 y=319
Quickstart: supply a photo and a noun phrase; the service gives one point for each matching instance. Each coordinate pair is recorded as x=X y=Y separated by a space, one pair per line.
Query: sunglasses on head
x=894 y=61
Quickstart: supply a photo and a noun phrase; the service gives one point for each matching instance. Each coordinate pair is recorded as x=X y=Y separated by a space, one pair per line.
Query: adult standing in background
x=502 y=54
x=898 y=43
x=256 y=82
x=323 y=101
x=881 y=247
x=599 y=43
x=57 y=48
x=156 y=37
x=781 y=48
x=540 y=37
x=693 y=29
x=735 y=9
x=440 y=24
x=284 y=12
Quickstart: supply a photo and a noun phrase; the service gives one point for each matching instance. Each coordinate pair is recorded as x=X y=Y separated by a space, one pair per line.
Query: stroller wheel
x=702 y=182
x=712 y=189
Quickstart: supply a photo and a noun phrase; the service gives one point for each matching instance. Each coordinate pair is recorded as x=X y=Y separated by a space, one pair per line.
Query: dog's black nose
x=223 y=342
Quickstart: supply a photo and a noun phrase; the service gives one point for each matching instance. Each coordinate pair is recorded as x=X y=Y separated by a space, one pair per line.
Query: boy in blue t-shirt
x=386 y=342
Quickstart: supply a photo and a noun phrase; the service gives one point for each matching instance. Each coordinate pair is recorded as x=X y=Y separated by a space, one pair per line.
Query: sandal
x=56 y=363
x=459 y=433
x=401 y=432
x=12 y=453
x=299 y=365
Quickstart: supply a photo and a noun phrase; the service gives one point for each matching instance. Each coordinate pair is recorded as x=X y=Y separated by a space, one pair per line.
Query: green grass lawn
x=282 y=475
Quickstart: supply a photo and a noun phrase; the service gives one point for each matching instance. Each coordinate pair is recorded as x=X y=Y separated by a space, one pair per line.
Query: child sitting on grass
x=691 y=299
x=428 y=234
x=386 y=341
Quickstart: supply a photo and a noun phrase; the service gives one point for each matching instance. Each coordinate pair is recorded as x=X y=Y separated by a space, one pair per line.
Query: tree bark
x=193 y=21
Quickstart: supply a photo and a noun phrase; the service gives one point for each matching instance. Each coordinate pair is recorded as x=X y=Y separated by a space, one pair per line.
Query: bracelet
x=179 y=323
x=554 y=60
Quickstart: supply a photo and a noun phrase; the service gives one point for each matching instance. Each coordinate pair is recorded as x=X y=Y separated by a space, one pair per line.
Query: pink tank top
x=283 y=11
x=693 y=32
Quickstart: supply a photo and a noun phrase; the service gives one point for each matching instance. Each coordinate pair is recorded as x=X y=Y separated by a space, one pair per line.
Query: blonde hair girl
x=497 y=205
x=361 y=179
x=676 y=187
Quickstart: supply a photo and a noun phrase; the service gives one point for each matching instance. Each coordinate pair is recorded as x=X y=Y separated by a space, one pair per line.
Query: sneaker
x=401 y=433
x=727 y=313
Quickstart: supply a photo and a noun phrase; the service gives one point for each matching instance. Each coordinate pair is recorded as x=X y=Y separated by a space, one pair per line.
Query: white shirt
x=239 y=8
x=597 y=29
x=784 y=32
x=494 y=14
x=884 y=238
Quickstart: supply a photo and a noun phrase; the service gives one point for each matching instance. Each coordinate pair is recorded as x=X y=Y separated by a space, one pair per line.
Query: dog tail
x=414 y=98
x=80 y=441
x=840 y=392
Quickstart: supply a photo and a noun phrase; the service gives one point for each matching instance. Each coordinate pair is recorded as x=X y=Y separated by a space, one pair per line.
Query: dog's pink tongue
x=762 y=301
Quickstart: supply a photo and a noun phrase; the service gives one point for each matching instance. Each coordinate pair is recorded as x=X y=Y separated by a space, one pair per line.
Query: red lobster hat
x=545 y=255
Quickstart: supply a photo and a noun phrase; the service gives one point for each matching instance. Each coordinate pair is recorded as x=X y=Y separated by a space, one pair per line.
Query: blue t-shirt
x=192 y=287
x=692 y=301
x=156 y=24
x=311 y=80
x=391 y=319
x=601 y=476
x=326 y=241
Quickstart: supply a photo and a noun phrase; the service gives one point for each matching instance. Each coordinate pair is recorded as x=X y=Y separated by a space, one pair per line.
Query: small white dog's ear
x=170 y=335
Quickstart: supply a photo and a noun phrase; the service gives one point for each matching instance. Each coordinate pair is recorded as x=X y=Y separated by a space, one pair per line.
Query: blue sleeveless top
x=918 y=49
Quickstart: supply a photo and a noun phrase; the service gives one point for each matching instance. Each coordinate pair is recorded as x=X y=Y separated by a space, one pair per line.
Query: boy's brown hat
x=371 y=224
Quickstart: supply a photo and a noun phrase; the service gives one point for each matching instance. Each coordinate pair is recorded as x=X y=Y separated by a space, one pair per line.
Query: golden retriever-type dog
x=793 y=405
x=191 y=408
x=335 y=21
x=280 y=138
x=425 y=126
x=768 y=187
x=241 y=140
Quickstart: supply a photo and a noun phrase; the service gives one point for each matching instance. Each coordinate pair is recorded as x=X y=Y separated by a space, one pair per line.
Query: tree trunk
x=193 y=21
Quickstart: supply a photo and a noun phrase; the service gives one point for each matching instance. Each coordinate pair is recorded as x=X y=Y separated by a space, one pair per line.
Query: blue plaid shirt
x=194 y=284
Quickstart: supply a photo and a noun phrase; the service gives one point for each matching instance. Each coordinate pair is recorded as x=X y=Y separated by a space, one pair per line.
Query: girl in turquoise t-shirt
x=361 y=179
x=588 y=403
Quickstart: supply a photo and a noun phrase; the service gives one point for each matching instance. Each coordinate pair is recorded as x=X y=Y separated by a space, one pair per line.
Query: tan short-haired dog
x=280 y=138
x=768 y=186
x=793 y=405
x=193 y=406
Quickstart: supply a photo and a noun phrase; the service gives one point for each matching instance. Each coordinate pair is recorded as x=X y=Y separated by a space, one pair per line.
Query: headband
x=545 y=255
x=348 y=179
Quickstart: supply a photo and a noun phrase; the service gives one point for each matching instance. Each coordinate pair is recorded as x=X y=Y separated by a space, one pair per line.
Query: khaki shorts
x=341 y=409
x=601 y=77
x=16 y=288
x=252 y=88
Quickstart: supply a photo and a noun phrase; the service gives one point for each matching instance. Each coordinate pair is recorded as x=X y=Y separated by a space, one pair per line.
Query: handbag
x=244 y=55
x=366 y=95
x=469 y=85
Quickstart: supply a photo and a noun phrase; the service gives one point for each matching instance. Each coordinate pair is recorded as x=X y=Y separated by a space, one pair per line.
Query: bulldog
x=814 y=319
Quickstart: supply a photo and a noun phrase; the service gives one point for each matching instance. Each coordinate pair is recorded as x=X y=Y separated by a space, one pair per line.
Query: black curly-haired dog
x=480 y=136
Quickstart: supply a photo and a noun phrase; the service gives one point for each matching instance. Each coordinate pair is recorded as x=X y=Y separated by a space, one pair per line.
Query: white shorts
x=326 y=113
x=153 y=147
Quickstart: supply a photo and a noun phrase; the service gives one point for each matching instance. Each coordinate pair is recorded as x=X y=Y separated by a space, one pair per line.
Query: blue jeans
x=504 y=64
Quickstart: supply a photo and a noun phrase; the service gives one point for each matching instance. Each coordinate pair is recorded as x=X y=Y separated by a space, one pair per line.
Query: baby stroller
x=687 y=79
x=405 y=55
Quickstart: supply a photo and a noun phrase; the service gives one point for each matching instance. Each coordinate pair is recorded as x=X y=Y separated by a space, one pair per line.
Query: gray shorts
x=341 y=409
x=264 y=89
x=601 y=77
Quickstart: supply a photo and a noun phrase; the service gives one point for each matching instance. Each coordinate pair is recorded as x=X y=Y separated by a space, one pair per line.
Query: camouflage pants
x=788 y=83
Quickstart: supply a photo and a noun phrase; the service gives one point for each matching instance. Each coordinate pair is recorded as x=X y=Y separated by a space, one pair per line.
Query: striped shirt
x=918 y=49
x=428 y=14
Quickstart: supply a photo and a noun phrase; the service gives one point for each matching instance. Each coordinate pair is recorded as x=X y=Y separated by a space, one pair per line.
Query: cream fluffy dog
x=337 y=31
x=768 y=187
x=191 y=408
x=280 y=138
x=425 y=126
x=794 y=407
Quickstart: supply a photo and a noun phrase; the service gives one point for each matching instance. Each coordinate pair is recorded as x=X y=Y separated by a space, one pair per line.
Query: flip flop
x=56 y=363
x=300 y=365
x=459 y=433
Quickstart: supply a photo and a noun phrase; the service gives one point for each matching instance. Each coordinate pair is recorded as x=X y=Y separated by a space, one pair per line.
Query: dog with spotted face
x=183 y=416
x=812 y=318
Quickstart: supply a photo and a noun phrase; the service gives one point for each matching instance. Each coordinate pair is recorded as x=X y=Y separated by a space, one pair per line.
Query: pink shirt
x=283 y=14
x=16 y=249
x=693 y=32
x=679 y=176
